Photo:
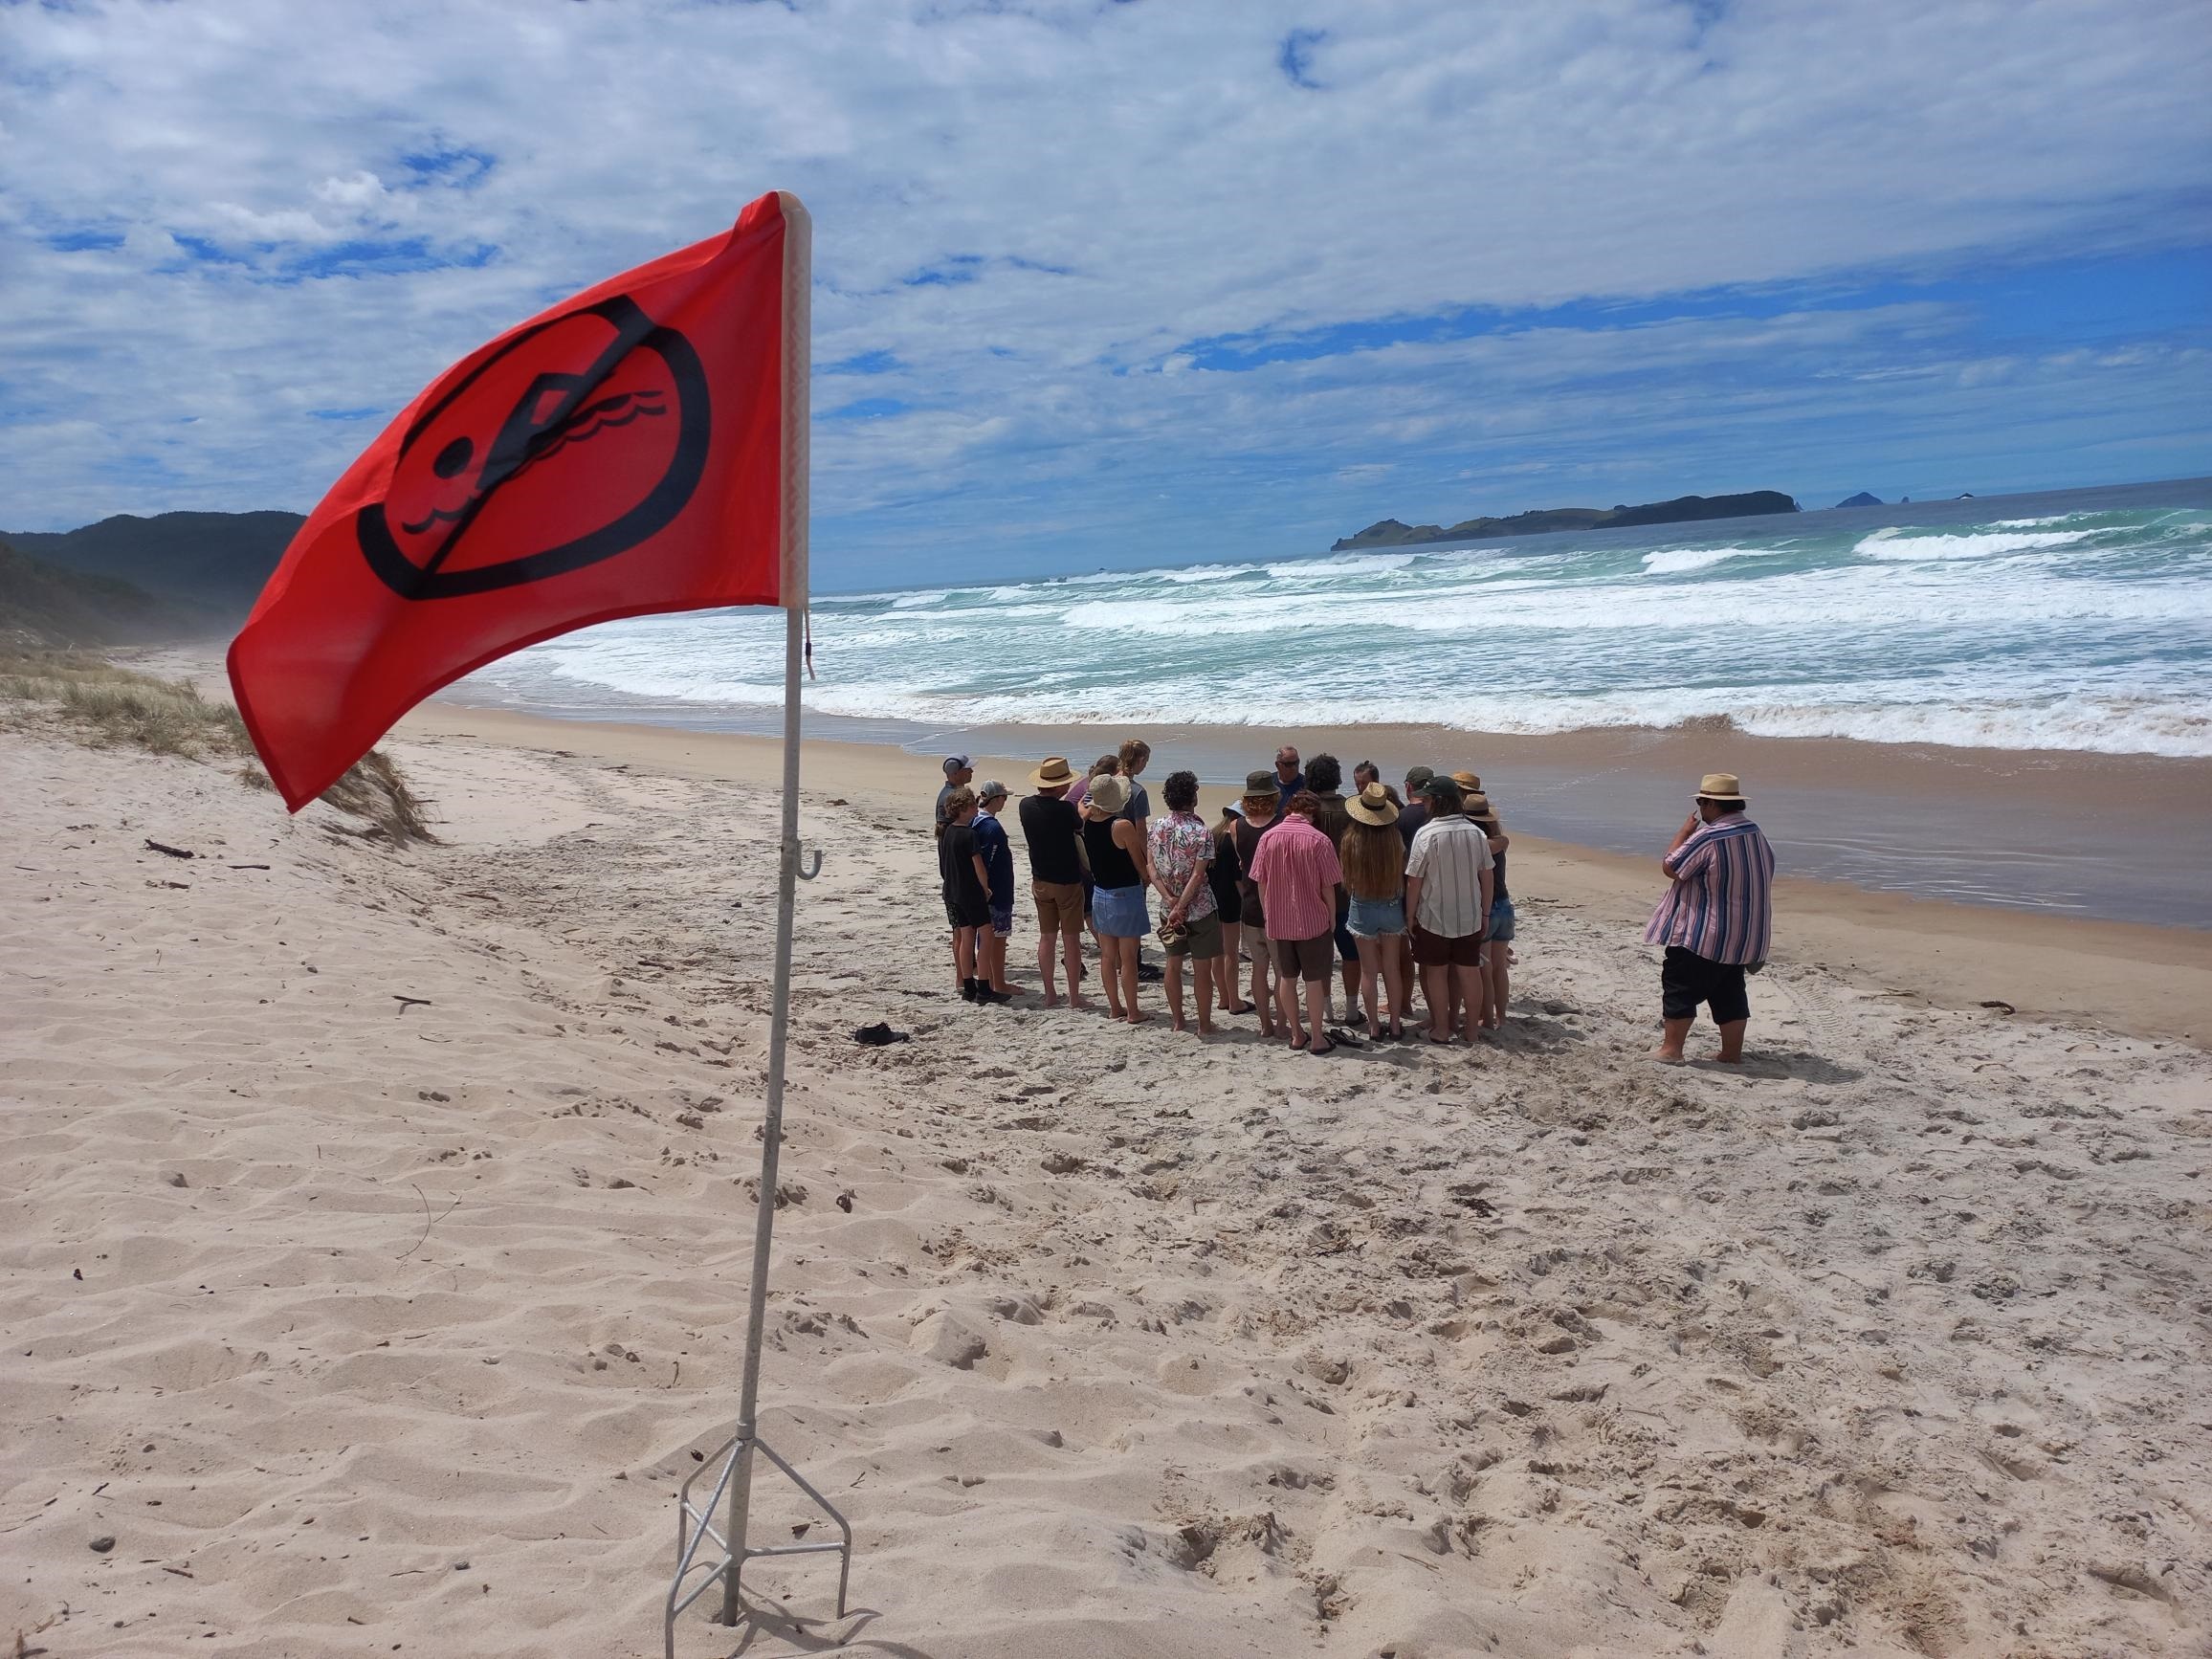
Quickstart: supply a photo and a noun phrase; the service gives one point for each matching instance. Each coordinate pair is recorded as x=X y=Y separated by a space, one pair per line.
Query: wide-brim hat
x=1053 y=773
x=1478 y=807
x=1373 y=805
x=1109 y=794
x=1723 y=789
x=1469 y=783
x=1261 y=786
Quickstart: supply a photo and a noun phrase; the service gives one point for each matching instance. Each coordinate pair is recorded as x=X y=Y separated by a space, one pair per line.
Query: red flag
x=641 y=446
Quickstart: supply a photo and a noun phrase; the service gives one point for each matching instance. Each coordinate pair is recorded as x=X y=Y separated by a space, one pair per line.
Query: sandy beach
x=377 y=1224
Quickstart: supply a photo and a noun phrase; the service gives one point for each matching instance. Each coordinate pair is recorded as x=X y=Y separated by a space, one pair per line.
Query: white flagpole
x=798 y=286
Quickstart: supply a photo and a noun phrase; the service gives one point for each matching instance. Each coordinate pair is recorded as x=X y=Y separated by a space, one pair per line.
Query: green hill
x=1683 y=509
x=216 y=560
x=43 y=605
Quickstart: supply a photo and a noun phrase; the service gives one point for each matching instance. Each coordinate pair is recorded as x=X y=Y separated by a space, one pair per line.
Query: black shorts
x=1688 y=979
x=958 y=915
x=1307 y=958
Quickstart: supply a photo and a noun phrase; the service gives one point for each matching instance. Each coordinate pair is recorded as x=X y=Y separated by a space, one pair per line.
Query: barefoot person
x=1052 y=828
x=1325 y=778
x=1181 y=849
x=1447 y=893
x=1498 y=954
x=1261 y=805
x=1298 y=875
x=1119 y=913
x=1226 y=876
x=1716 y=919
x=1373 y=862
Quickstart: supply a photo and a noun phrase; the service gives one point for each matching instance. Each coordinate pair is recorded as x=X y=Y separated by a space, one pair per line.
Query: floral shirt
x=1180 y=844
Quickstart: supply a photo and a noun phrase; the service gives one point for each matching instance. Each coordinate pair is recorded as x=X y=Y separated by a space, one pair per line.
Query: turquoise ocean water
x=2072 y=621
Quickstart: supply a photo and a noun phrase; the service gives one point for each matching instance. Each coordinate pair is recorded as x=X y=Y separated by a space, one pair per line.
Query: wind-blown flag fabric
x=640 y=447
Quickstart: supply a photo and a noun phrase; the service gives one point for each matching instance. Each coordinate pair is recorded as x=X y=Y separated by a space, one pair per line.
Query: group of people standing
x=1397 y=893
x=1403 y=895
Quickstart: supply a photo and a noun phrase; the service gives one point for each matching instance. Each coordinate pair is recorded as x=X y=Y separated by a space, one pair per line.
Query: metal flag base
x=732 y=1465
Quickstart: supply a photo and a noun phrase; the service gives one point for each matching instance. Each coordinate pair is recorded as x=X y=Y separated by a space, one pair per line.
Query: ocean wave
x=1896 y=544
x=1675 y=561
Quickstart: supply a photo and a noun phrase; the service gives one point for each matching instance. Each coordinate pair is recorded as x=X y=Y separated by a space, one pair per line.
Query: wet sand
x=2115 y=837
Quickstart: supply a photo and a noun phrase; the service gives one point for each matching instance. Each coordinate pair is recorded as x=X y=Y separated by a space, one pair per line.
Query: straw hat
x=1724 y=789
x=1261 y=786
x=1053 y=773
x=1109 y=794
x=1469 y=783
x=1478 y=807
x=1373 y=805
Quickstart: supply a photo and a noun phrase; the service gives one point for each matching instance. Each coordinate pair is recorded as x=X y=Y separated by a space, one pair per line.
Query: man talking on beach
x=1290 y=775
x=1716 y=920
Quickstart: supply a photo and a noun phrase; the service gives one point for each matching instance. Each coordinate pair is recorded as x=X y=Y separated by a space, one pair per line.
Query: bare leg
x=1436 y=988
x=1354 y=976
x=1208 y=968
x=1467 y=992
x=1125 y=962
x=1317 y=1015
x=1394 y=982
x=1498 y=970
x=1286 y=1005
x=1371 y=953
x=1731 y=1043
x=1677 y=1032
x=963 y=953
x=1046 y=943
x=1225 y=964
x=1263 y=998
x=995 y=944
x=1109 y=973
x=1174 y=990
x=1071 y=950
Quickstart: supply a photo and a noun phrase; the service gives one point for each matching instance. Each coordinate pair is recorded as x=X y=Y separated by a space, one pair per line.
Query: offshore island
x=1683 y=509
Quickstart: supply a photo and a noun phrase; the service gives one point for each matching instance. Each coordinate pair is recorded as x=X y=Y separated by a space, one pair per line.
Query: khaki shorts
x=1059 y=906
x=1201 y=938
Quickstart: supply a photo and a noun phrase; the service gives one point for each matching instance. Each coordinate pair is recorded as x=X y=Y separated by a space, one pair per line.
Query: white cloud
x=1116 y=184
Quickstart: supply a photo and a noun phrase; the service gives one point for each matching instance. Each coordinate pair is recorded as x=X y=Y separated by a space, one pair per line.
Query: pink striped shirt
x=1297 y=872
x=1721 y=903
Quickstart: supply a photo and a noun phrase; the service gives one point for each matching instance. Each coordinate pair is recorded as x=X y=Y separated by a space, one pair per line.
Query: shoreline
x=2050 y=832
x=2134 y=977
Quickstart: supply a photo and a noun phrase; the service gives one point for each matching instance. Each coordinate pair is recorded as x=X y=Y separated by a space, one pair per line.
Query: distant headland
x=1683 y=509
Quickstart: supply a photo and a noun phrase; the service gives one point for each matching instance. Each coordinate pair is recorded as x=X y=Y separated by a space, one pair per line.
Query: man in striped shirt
x=1716 y=919
x=1449 y=878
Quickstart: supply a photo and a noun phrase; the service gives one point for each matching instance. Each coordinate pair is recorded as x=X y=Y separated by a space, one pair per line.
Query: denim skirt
x=1120 y=912
x=1373 y=918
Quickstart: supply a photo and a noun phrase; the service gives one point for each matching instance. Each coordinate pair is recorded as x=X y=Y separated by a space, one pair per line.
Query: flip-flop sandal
x=1301 y=1043
x=1325 y=1050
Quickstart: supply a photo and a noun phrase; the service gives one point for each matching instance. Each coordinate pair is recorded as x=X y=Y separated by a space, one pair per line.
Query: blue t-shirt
x=998 y=858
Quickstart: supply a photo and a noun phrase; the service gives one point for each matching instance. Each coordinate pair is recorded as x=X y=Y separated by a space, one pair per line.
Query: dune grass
x=102 y=704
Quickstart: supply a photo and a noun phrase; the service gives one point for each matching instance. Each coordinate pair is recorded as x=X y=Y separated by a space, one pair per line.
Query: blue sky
x=1108 y=283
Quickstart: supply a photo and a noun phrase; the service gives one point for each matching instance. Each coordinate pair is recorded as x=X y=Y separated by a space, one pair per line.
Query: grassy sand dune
x=376 y=1223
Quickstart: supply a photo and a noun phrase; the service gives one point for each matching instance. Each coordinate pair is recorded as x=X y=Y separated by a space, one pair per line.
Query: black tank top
x=1110 y=866
x=1497 y=878
x=1247 y=837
